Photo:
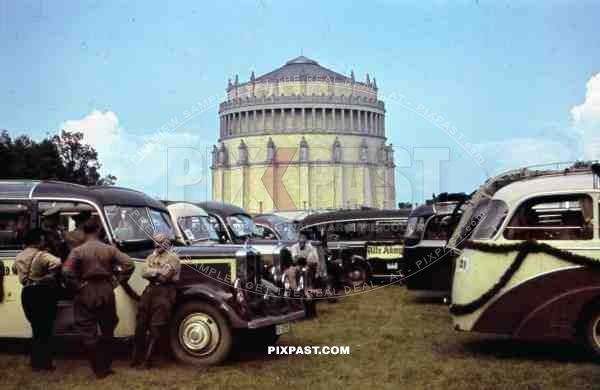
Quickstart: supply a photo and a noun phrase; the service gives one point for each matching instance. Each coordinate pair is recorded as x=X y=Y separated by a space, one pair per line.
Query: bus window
x=390 y=229
x=552 y=218
x=14 y=222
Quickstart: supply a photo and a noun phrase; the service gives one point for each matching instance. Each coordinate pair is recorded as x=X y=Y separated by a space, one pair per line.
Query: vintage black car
x=275 y=227
x=219 y=294
x=234 y=226
x=427 y=263
x=366 y=244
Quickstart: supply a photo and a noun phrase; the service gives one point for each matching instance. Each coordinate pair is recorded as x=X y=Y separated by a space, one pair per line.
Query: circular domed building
x=303 y=137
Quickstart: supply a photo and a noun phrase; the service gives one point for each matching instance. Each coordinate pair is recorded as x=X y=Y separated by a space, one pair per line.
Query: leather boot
x=139 y=347
x=152 y=345
x=104 y=358
x=91 y=350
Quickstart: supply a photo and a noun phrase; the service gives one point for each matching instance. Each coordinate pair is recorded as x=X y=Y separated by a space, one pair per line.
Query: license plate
x=282 y=328
x=392 y=266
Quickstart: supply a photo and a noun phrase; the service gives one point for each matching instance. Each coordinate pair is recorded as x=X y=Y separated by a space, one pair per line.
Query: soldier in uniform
x=76 y=237
x=304 y=249
x=305 y=256
x=55 y=235
x=162 y=270
x=94 y=269
x=38 y=270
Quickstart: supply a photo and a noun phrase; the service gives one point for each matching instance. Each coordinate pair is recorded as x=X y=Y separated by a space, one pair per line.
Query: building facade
x=303 y=137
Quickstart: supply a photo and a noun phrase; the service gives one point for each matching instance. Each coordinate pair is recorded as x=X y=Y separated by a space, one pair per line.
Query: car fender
x=221 y=299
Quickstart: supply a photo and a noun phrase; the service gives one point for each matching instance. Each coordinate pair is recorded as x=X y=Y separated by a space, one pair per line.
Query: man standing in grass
x=162 y=270
x=94 y=269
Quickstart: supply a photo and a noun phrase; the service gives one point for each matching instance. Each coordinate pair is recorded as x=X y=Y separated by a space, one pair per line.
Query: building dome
x=301 y=68
x=303 y=136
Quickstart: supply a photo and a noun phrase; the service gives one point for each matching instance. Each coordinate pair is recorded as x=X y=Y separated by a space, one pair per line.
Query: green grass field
x=395 y=341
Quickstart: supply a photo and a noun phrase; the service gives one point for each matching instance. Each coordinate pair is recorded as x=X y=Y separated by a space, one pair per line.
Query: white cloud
x=140 y=161
x=579 y=142
x=586 y=120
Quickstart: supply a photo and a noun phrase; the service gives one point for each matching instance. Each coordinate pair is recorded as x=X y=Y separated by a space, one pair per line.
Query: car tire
x=200 y=334
x=357 y=275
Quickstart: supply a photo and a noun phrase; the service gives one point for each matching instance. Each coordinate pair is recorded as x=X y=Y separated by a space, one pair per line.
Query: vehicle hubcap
x=199 y=334
x=596 y=331
x=356 y=275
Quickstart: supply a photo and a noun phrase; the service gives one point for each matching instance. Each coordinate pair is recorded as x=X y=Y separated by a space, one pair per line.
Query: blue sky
x=507 y=75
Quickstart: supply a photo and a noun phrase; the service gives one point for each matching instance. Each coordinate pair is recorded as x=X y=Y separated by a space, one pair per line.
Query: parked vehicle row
x=364 y=244
x=519 y=257
x=215 y=302
x=427 y=263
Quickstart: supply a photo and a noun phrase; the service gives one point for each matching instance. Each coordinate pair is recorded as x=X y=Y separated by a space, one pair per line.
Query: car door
x=15 y=220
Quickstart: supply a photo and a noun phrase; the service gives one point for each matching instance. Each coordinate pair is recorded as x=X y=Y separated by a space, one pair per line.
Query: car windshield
x=197 y=228
x=491 y=222
x=414 y=228
x=475 y=211
x=287 y=231
x=242 y=226
x=137 y=223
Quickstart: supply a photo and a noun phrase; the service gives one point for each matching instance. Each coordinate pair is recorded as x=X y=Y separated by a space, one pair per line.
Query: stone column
x=360 y=121
x=264 y=123
x=303 y=125
x=304 y=183
x=339 y=187
x=351 y=120
x=221 y=173
x=343 y=119
x=367 y=194
x=254 y=126
x=314 y=118
x=244 y=188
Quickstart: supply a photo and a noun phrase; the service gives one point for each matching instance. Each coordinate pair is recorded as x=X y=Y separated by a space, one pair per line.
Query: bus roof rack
x=493 y=184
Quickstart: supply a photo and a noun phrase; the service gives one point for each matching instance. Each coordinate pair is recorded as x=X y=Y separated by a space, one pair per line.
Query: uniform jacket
x=162 y=267
x=75 y=238
x=36 y=266
x=309 y=253
x=96 y=260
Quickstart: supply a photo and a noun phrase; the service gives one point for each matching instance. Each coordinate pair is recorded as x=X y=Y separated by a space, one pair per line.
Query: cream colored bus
x=529 y=256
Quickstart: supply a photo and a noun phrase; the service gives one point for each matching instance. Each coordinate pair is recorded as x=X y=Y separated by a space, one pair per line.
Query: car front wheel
x=357 y=275
x=200 y=335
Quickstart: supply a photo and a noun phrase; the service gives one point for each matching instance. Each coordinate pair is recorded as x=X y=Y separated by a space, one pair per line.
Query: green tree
x=61 y=157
